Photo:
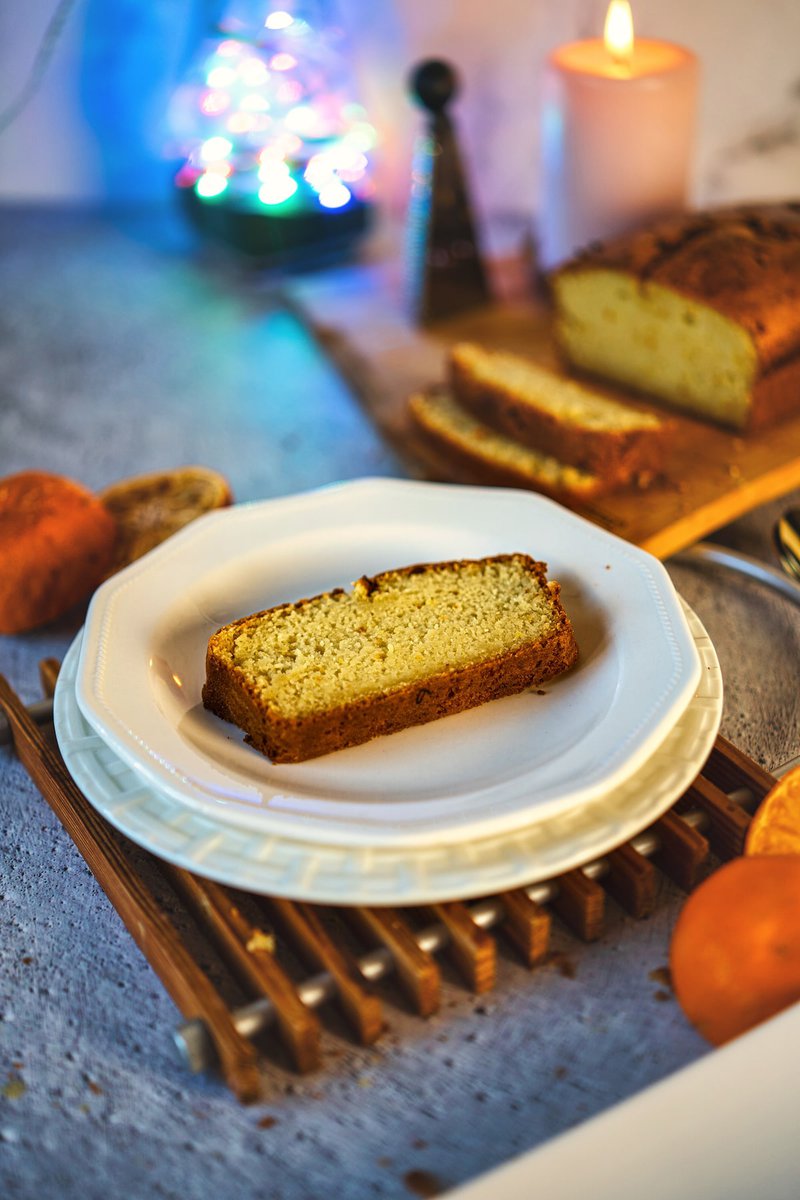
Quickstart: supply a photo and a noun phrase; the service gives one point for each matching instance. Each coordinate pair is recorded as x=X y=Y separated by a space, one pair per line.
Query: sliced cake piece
x=400 y=649
x=557 y=416
x=464 y=444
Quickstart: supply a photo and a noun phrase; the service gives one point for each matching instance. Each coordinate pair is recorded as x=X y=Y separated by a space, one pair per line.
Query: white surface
x=303 y=870
x=480 y=773
x=724 y=1128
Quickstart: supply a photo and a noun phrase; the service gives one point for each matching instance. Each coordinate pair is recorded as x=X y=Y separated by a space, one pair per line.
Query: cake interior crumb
x=346 y=645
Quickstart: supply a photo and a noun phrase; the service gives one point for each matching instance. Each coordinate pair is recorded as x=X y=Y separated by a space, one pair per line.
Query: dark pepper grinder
x=446 y=272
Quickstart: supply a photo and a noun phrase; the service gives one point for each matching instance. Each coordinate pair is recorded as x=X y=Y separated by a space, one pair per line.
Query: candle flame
x=618 y=31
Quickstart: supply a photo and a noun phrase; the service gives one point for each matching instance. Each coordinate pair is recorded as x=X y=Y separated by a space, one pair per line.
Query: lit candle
x=618 y=125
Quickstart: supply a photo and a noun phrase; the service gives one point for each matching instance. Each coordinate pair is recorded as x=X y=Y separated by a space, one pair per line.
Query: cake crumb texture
x=399 y=649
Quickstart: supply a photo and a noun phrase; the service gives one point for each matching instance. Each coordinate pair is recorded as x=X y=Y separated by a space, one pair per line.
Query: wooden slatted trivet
x=712 y=816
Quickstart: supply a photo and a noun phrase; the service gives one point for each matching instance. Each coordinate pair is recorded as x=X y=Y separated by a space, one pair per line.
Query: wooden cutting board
x=711 y=477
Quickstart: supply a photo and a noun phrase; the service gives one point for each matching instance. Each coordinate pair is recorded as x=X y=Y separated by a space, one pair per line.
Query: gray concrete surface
x=122 y=351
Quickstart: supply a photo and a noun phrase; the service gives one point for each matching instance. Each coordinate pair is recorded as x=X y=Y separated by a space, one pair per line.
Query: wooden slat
x=472 y=949
x=242 y=944
x=730 y=770
x=150 y=928
x=682 y=850
x=577 y=899
x=418 y=971
x=48 y=675
x=631 y=879
x=726 y=821
x=526 y=925
x=301 y=923
x=580 y=903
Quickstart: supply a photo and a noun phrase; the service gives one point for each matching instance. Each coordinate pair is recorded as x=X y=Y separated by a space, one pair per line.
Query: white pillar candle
x=618 y=124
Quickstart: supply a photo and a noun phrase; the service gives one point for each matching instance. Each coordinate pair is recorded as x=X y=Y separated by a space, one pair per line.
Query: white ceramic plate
x=474 y=774
x=385 y=874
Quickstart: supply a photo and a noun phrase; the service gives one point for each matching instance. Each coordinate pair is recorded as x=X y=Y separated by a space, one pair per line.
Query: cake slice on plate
x=403 y=648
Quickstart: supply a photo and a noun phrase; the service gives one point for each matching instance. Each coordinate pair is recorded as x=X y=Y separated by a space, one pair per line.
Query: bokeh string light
x=267 y=121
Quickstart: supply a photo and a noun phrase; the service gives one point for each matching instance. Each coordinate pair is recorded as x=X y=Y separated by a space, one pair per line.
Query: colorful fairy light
x=278 y=20
x=221 y=77
x=272 y=127
x=210 y=185
x=283 y=145
x=187 y=176
x=283 y=61
x=215 y=102
x=273 y=169
x=334 y=195
x=277 y=191
x=253 y=72
x=302 y=119
x=215 y=148
x=220 y=167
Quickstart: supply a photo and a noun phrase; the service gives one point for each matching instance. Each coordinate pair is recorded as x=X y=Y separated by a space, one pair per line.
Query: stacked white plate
x=501 y=796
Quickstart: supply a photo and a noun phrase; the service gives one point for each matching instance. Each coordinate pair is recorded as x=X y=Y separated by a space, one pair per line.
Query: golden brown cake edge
x=478 y=467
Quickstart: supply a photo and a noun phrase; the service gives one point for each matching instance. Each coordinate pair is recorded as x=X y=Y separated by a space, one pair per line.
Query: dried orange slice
x=149 y=508
x=775 y=828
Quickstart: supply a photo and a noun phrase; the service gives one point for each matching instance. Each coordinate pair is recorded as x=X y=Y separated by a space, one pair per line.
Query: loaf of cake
x=403 y=648
x=57 y=542
x=557 y=416
x=461 y=444
x=701 y=311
